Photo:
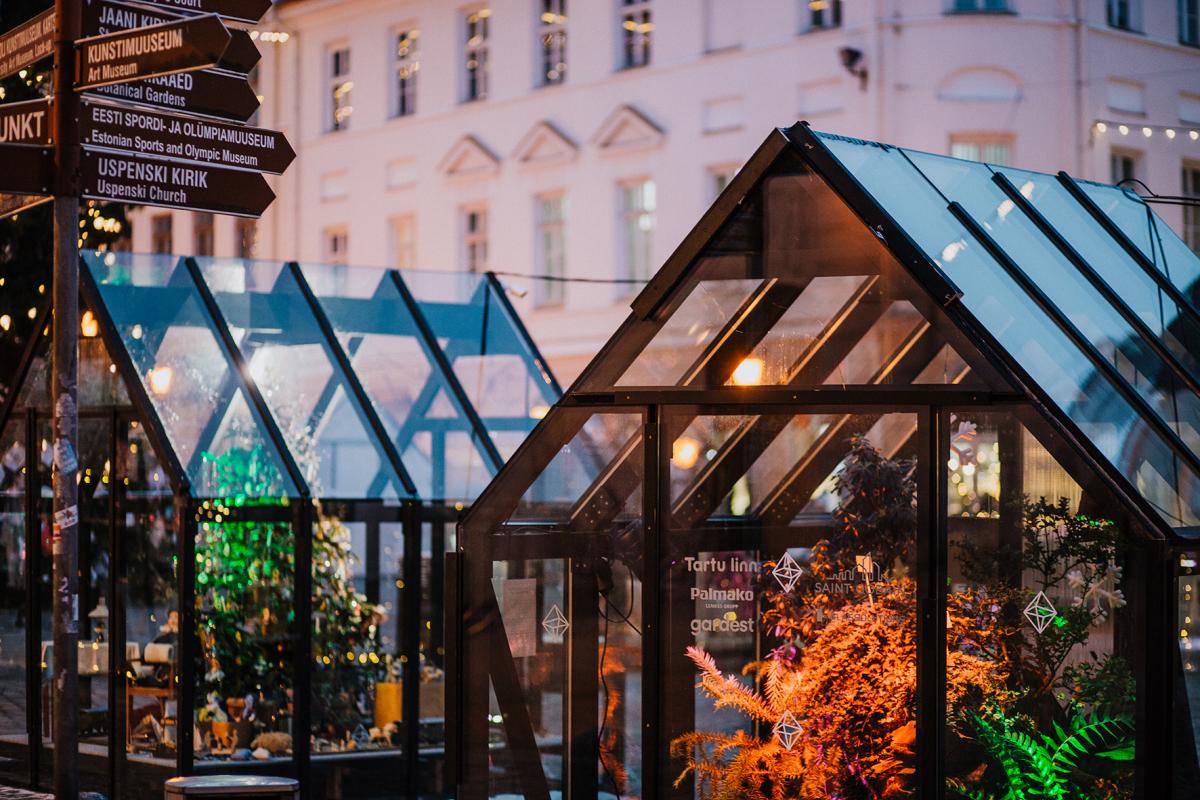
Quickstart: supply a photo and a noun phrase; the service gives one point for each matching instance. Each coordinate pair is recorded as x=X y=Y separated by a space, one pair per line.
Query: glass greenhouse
x=889 y=487
x=261 y=444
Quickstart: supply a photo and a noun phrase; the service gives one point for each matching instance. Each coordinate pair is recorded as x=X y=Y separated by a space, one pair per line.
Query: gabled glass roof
x=351 y=383
x=842 y=269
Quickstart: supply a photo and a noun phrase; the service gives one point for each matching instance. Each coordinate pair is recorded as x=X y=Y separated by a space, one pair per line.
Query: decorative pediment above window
x=980 y=85
x=628 y=130
x=469 y=158
x=545 y=145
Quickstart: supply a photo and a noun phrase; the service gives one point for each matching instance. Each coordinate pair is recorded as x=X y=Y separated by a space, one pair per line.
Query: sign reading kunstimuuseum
x=174 y=136
x=27 y=43
x=147 y=181
x=181 y=46
x=109 y=16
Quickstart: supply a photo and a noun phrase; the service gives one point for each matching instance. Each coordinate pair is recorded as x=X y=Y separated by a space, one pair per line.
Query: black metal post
x=188 y=655
x=410 y=646
x=302 y=687
x=65 y=398
x=931 y=598
x=33 y=610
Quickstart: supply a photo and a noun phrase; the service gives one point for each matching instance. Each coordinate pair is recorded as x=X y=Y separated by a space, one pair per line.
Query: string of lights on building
x=1105 y=127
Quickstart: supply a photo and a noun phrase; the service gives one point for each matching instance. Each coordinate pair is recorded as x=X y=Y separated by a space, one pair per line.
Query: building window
x=1189 y=22
x=404 y=241
x=407 y=65
x=247 y=238
x=989 y=149
x=552 y=38
x=160 y=234
x=203 y=234
x=1123 y=166
x=340 y=89
x=476 y=54
x=822 y=14
x=723 y=24
x=475 y=239
x=1191 y=213
x=1125 y=14
x=337 y=246
x=549 y=289
x=978 y=5
x=638 y=205
x=719 y=179
x=637 y=30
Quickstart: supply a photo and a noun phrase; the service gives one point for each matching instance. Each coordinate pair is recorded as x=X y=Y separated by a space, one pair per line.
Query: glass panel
x=1155 y=238
x=790 y=658
x=295 y=369
x=1029 y=336
x=1186 y=722
x=184 y=370
x=14 y=728
x=1042 y=643
x=150 y=656
x=794 y=290
x=1136 y=288
x=24 y=290
x=1112 y=336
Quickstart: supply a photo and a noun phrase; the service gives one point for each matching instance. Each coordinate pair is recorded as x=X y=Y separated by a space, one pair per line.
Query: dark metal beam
x=27 y=357
x=549 y=387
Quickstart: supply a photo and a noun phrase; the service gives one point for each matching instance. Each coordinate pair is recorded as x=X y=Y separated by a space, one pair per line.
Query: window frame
x=981 y=140
x=473 y=240
x=204 y=233
x=340 y=85
x=550 y=293
x=1190 y=186
x=1134 y=13
x=162 y=233
x=1134 y=159
x=404 y=88
x=476 y=84
x=814 y=19
x=627 y=216
x=635 y=47
x=551 y=37
x=404 y=251
x=1189 y=22
x=246 y=248
x=332 y=252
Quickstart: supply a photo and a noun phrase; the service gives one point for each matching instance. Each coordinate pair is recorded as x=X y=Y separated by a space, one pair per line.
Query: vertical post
x=33 y=609
x=64 y=394
x=302 y=691
x=410 y=647
x=932 y=478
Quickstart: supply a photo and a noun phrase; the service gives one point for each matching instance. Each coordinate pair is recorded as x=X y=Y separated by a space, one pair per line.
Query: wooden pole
x=65 y=397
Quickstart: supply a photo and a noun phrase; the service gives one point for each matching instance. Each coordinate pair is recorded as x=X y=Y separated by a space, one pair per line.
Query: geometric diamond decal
x=787 y=572
x=1040 y=612
x=555 y=623
x=788 y=730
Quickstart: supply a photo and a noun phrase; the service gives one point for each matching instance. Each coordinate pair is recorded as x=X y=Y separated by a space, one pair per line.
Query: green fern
x=1042 y=769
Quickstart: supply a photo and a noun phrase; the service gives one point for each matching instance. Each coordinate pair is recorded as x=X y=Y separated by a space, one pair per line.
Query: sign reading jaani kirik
x=179 y=46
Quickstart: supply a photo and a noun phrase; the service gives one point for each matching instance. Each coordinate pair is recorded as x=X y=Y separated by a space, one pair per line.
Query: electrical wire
x=564 y=279
x=604 y=683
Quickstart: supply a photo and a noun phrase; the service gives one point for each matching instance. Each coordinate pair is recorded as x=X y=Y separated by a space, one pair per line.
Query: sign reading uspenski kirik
x=182 y=46
x=25 y=123
x=27 y=43
x=109 y=16
x=146 y=181
x=243 y=10
x=154 y=133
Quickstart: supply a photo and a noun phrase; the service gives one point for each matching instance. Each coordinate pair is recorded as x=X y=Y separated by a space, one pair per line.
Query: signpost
x=109 y=16
x=154 y=53
x=26 y=44
x=26 y=123
x=140 y=53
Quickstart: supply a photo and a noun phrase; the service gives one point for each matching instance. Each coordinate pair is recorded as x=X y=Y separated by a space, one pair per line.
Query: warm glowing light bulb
x=88 y=325
x=1170 y=133
x=1101 y=127
x=1147 y=132
x=160 y=380
x=1123 y=129
x=539 y=412
x=5 y=322
x=749 y=372
x=685 y=452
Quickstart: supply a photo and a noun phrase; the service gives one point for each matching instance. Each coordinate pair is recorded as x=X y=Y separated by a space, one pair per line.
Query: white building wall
x=1039 y=77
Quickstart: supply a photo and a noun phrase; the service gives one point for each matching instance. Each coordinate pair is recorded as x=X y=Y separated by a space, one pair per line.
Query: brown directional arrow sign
x=155 y=133
x=108 y=16
x=11 y=204
x=25 y=169
x=157 y=182
x=243 y=10
x=25 y=123
x=181 y=46
x=27 y=43
x=210 y=93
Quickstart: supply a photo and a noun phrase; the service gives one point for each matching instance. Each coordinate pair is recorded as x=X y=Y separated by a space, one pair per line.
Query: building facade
x=568 y=144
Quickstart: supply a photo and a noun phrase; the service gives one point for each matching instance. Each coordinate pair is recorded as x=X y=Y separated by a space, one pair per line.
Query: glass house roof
x=352 y=383
x=834 y=268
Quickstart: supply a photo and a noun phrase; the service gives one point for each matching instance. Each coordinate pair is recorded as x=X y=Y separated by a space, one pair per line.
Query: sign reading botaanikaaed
x=213 y=94
x=26 y=44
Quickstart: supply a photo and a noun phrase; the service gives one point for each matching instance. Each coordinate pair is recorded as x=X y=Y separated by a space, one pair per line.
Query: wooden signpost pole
x=65 y=398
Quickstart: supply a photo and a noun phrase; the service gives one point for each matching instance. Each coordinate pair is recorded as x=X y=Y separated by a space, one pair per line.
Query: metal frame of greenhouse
x=1065 y=308
x=422 y=423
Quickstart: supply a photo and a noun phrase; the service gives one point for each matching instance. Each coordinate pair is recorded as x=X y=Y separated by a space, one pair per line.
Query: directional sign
x=192 y=187
x=180 y=46
x=11 y=204
x=244 y=10
x=27 y=169
x=25 y=123
x=26 y=44
x=210 y=93
x=109 y=16
x=154 y=133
